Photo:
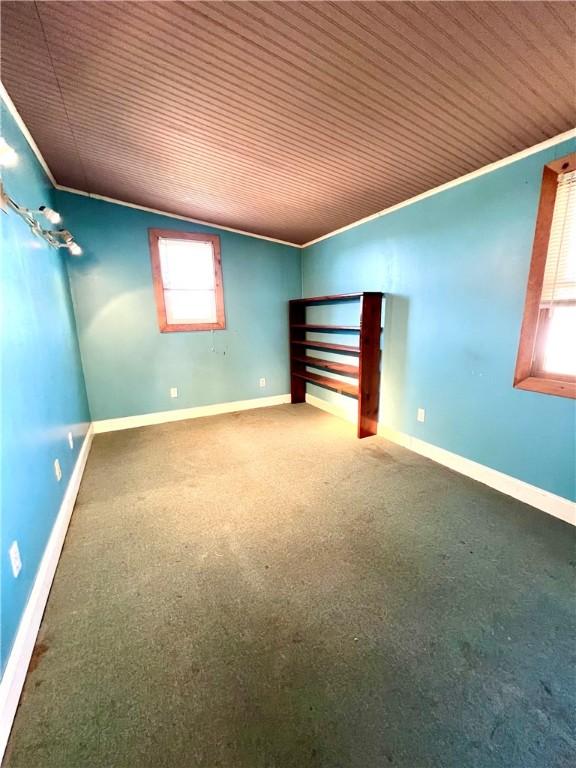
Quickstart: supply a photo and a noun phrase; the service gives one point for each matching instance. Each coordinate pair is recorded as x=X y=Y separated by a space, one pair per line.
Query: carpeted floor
x=262 y=590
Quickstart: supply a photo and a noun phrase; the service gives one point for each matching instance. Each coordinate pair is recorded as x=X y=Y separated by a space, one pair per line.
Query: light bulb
x=50 y=214
x=8 y=156
x=75 y=249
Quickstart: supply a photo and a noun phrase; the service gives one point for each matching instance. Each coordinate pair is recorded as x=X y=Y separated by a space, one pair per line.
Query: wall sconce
x=57 y=238
x=52 y=216
x=69 y=243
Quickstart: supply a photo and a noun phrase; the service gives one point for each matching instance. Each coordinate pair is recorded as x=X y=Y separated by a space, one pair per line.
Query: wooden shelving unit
x=367 y=352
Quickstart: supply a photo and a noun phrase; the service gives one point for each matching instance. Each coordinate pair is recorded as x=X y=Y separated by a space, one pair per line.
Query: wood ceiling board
x=288 y=120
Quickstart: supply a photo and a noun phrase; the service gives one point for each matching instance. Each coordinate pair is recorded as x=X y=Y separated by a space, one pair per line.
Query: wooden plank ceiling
x=287 y=119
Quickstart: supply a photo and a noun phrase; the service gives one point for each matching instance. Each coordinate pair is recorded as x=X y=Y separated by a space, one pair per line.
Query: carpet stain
x=39 y=650
x=546 y=687
x=376 y=452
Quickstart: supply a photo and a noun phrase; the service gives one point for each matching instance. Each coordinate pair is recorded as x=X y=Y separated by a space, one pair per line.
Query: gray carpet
x=262 y=590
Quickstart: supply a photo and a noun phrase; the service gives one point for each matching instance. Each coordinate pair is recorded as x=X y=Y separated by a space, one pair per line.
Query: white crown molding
x=34 y=147
x=561 y=137
x=181 y=414
x=566 y=136
x=554 y=505
x=177 y=216
x=436 y=190
x=17 y=666
x=27 y=135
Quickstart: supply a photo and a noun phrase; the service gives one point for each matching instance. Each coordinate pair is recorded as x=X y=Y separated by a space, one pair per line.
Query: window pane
x=190 y=306
x=560 y=274
x=186 y=264
x=560 y=352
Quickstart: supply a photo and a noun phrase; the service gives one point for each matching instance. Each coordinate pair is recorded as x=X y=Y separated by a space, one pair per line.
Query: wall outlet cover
x=15 y=559
x=262 y=382
x=57 y=470
x=173 y=391
x=421 y=415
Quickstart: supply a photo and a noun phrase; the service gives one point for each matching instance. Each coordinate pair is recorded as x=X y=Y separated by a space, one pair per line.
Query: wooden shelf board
x=313 y=327
x=328 y=365
x=343 y=387
x=324 y=299
x=326 y=345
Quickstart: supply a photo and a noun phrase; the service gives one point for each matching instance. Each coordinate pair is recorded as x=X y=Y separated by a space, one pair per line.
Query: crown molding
x=561 y=137
x=177 y=216
x=27 y=135
x=546 y=144
x=34 y=147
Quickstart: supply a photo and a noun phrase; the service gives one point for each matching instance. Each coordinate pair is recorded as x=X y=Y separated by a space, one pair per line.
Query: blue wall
x=129 y=365
x=455 y=267
x=43 y=395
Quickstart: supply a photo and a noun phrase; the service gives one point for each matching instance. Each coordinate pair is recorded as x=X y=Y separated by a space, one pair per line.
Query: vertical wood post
x=369 y=363
x=297 y=316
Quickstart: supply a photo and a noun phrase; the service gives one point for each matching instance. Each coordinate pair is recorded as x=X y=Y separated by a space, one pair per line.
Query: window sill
x=546 y=386
x=184 y=328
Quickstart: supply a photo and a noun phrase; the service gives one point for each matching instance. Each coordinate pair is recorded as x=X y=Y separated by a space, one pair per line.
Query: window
x=187 y=274
x=547 y=354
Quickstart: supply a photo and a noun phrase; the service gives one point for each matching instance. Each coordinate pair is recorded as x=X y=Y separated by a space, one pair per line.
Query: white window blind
x=188 y=278
x=560 y=275
x=558 y=299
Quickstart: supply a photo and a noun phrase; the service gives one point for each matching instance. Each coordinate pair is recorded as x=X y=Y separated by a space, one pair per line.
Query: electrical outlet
x=421 y=415
x=15 y=559
x=262 y=382
x=173 y=391
x=57 y=470
x=70 y=441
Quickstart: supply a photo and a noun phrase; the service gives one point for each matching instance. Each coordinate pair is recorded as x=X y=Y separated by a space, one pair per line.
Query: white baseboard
x=162 y=417
x=548 y=502
x=19 y=659
x=348 y=413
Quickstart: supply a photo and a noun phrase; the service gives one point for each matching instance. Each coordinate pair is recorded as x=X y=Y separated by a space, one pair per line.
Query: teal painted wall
x=129 y=365
x=455 y=267
x=43 y=395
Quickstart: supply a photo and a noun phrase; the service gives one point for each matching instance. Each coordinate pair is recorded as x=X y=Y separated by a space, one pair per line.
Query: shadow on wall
x=394 y=352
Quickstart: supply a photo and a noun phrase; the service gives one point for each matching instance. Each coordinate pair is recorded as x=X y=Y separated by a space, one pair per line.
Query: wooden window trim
x=528 y=374
x=154 y=236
